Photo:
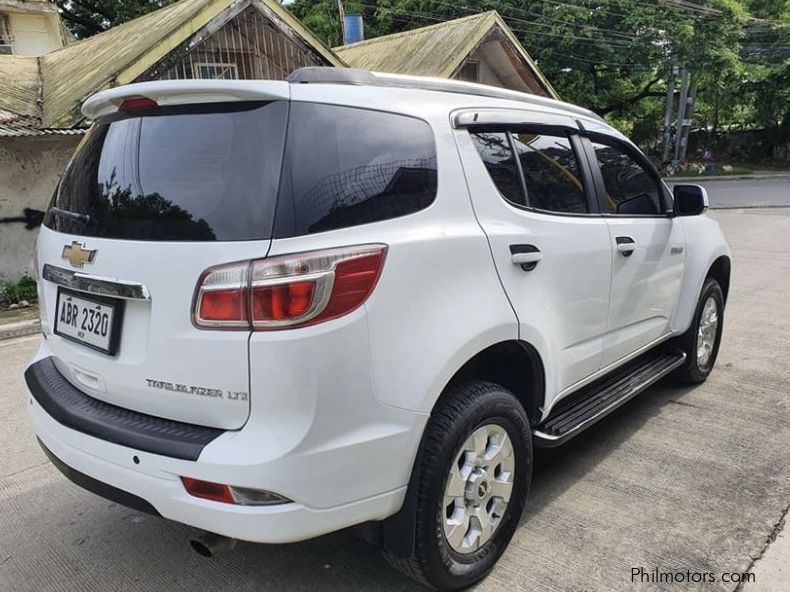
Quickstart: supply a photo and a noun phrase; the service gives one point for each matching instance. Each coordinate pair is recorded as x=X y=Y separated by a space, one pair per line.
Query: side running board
x=601 y=398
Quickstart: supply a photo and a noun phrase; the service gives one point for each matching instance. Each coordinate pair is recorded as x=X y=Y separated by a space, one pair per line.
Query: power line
x=603 y=63
x=615 y=42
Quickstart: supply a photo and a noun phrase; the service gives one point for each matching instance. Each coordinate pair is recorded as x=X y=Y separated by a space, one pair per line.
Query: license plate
x=93 y=321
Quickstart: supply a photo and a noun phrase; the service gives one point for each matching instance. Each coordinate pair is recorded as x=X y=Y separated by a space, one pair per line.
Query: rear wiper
x=76 y=216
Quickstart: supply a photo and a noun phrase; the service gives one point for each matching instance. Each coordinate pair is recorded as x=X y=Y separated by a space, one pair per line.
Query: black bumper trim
x=119 y=496
x=74 y=409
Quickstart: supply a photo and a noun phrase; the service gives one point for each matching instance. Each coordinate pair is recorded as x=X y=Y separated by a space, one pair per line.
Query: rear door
x=647 y=242
x=151 y=200
x=535 y=202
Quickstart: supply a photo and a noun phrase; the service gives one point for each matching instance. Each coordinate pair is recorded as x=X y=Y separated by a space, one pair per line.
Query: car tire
x=701 y=352
x=474 y=417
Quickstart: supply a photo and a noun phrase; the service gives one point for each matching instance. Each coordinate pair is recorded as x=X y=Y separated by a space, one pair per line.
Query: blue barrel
x=355 y=28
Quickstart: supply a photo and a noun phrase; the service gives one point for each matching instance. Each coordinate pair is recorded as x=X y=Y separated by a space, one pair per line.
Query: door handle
x=625 y=245
x=527 y=256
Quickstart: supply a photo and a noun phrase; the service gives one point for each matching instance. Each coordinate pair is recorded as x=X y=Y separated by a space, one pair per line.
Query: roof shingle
x=435 y=50
x=46 y=92
x=429 y=51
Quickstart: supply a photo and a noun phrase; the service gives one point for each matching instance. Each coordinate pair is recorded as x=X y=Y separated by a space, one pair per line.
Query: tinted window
x=344 y=167
x=494 y=149
x=551 y=172
x=177 y=174
x=630 y=188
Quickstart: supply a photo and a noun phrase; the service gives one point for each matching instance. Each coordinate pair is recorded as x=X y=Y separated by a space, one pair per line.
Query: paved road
x=679 y=479
x=744 y=193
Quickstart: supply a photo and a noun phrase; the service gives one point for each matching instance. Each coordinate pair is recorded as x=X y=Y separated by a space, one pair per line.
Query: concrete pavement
x=681 y=480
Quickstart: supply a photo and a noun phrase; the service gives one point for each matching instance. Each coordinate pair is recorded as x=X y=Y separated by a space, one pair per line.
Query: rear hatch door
x=151 y=200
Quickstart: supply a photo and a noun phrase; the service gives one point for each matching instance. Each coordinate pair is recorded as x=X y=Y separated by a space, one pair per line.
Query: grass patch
x=16 y=292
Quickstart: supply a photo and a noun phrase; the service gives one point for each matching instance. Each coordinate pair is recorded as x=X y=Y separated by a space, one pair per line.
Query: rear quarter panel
x=439 y=300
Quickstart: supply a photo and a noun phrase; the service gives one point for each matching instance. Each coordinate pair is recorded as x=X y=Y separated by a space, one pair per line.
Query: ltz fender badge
x=200 y=391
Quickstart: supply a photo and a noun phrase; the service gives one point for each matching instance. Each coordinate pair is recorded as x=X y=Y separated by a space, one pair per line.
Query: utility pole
x=689 y=116
x=341 y=9
x=668 y=113
x=684 y=92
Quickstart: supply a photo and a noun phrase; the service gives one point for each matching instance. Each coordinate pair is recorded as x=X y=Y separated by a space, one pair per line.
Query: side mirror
x=690 y=200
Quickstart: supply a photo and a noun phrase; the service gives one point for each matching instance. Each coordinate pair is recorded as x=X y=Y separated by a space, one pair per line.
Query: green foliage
x=613 y=56
x=16 y=292
x=88 y=17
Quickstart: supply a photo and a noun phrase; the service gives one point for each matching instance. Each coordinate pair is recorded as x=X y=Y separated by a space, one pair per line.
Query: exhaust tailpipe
x=209 y=544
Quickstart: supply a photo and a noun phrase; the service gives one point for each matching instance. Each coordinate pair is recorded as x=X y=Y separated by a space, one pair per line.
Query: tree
x=613 y=56
x=88 y=17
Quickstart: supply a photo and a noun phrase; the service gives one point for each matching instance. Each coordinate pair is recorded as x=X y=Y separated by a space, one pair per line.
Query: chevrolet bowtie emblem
x=78 y=255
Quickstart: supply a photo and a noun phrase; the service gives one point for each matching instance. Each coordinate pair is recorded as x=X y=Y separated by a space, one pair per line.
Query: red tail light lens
x=282 y=302
x=223 y=305
x=288 y=291
x=221 y=300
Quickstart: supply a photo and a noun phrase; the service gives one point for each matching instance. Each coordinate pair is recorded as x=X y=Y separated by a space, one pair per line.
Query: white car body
x=336 y=411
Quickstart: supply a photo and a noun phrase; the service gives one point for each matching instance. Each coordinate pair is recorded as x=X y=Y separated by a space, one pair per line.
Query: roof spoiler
x=183 y=92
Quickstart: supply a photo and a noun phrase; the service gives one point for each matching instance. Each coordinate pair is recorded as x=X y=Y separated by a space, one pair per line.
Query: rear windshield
x=181 y=174
x=227 y=172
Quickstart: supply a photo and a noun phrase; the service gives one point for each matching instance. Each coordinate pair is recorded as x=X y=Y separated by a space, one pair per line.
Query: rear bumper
x=347 y=475
x=101 y=489
x=73 y=408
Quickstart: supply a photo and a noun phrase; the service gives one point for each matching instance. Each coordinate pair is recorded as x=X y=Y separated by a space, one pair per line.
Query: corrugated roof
x=24 y=130
x=436 y=50
x=72 y=73
x=428 y=51
x=117 y=56
x=19 y=87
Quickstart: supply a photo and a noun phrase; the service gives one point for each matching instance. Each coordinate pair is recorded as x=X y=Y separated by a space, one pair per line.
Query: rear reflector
x=208 y=490
x=226 y=494
x=136 y=104
x=288 y=291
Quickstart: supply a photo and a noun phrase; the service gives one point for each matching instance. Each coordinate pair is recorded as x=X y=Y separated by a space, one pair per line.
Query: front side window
x=346 y=166
x=546 y=175
x=630 y=188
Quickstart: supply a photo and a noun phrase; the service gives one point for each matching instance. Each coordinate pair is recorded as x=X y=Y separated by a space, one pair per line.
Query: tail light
x=137 y=104
x=288 y=291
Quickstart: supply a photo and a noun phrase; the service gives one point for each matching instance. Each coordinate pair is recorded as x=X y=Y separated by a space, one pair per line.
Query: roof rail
x=354 y=76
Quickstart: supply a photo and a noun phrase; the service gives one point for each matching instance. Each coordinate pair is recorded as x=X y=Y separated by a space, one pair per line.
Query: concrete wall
x=487 y=73
x=29 y=170
x=35 y=34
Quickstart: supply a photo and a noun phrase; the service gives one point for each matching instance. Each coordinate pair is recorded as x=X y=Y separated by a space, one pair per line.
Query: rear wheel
x=474 y=477
x=701 y=342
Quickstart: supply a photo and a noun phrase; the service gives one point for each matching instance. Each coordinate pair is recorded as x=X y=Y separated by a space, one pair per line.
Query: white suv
x=273 y=310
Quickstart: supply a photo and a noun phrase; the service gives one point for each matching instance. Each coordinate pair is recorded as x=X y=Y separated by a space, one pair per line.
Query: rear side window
x=630 y=188
x=346 y=166
x=544 y=174
x=200 y=173
x=497 y=155
x=551 y=173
